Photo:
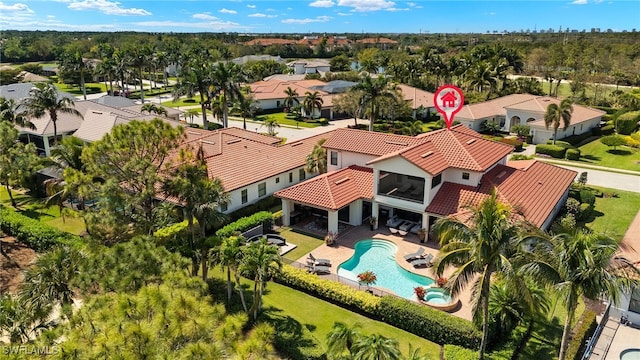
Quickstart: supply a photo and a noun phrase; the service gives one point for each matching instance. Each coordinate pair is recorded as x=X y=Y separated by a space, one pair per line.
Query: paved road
x=608 y=179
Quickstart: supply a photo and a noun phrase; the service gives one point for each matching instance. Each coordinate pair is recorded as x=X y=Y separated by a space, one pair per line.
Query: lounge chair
x=394 y=222
x=404 y=228
x=423 y=262
x=416 y=227
x=415 y=255
x=320 y=262
x=276 y=240
x=319 y=269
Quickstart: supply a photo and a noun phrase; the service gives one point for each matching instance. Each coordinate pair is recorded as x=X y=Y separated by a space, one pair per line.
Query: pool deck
x=406 y=245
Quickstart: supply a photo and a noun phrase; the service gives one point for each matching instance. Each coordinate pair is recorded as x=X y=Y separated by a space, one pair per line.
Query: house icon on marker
x=449 y=99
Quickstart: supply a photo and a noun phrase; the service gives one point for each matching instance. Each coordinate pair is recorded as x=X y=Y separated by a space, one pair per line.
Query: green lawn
x=297 y=309
x=36 y=209
x=92 y=88
x=613 y=215
x=597 y=153
x=565 y=89
x=305 y=244
x=182 y=102
x=282 y=120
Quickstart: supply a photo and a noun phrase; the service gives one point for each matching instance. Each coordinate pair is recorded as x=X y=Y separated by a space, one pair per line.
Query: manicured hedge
x=172 y=232
x=587 y=197
x=243 y=224
x=586 y=328
x=31 y=232
x=421 y=320
x=265 y=204
x=564 y=144
x=627 y=122
x=551 y=150
x=575 y=140
x=605 y=130
x=573 y=154
x=504 y=351
x=431 y=324
x=517 y=144
x=330 y=290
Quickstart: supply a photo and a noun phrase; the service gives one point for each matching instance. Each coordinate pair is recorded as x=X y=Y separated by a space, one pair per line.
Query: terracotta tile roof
x=416 y=97
x=380 y=40
x=275 y=88
x=492 y=107
x=240 y=157
x=270 y=41
x=367 y=142
x=534 y=191
x=334 y=190
x=459 y=148
x=539 y=105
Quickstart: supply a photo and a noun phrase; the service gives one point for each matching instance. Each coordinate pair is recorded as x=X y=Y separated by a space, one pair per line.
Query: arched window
x=531 y=119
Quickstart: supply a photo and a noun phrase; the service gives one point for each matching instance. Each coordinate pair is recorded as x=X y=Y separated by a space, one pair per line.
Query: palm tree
x=372 y=91
x=193 y=79
x=582 y=264
x=341 y=338
x=43 y=98
x=316 y=161
x=261 y=260
x=376 y=347
x=312 y=101
x=271 y=124
x=245 y=105
x=484 y=245
x=9 y=111
x=414 y=128
x=200 y=198
x=73 y=61
x=191 y=113
x=481 y=76
x=229 y=254
x=225 y=80
x=153 y=108
x=292 y=97
x=556 y=114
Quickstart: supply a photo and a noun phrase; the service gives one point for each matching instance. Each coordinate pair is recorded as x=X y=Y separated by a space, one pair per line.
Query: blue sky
x=332 y=16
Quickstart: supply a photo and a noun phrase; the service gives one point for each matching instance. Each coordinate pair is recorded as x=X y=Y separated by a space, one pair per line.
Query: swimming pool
x=630 y=354
x=379 y=256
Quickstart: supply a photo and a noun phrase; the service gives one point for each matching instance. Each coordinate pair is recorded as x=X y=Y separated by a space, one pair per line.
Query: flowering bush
x=420 y=292
x=330 y=238
x=441 y=281
x=367 y=278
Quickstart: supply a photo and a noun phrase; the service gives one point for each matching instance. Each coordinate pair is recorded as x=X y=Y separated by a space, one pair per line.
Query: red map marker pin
x=448 y=100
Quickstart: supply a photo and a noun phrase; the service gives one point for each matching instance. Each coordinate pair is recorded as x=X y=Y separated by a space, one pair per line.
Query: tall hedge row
x=586 y=328
x=421 y=320
x=554 y=151
x=31 y=232
x=243 y=224
x=627 y=122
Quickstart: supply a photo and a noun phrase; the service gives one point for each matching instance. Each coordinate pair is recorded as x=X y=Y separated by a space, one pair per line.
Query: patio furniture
x=393 y=225
x=416 y=227
x=404 y=228
x=393 y=221
x=319 y=269
x=321 y=262
x=415 y=255
x=423 y=262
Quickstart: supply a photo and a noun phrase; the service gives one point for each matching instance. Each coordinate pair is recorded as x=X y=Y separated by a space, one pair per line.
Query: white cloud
x=227 y=11
x=322 y=3
x=492 y=13
x=367 y=5
x=307 y=20
x=251 y=6
x=56 y=25
x=51 y=17
x=204 y=16
x=17 y=7
x=344 y=14
x=411 y=4
x=106 y=7
x=579 y=2
x=397 y=9
x=261 y=15
x=211 y=25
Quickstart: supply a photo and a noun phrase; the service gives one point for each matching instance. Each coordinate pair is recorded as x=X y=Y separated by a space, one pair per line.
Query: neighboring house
x=309 y=66
x=251 y=166
x=418 y=99
x=380 y=42
x=423 y=178
x=270 y=41
x=172 y=113
x=248 y=58
x=629 y=305
x=270 y=94
x=527 y=109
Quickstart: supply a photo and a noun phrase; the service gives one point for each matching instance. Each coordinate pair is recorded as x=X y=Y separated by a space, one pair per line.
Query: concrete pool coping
x=406 y=244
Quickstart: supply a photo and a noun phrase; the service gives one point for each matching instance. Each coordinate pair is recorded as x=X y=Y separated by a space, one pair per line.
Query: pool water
x=438 y=296
x=379 y=256
x=630 y=354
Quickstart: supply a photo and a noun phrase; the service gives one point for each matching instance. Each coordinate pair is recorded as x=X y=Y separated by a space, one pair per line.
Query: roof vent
x=96 y=112
x=396 y=143
x=296 y=143
x=469 y=142
x=207 y=142
x=194 y=133
x=233 y=141
x=427 y=154
x=338 y=182
x=11 y=90
x=501 y=174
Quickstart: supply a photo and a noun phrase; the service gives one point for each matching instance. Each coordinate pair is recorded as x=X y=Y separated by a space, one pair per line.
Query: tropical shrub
x=627 y=122
x=568 y=222
x=586 y=328
x=573 y=154
x=585 y=211
x=554 y=151
x=564 y=144
x=429 y=323
x=264 y=218
x=613 y=140
x=572 y=206
x=517 y=144
x=587 y=197
x=521 y=157
x=31 y=232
